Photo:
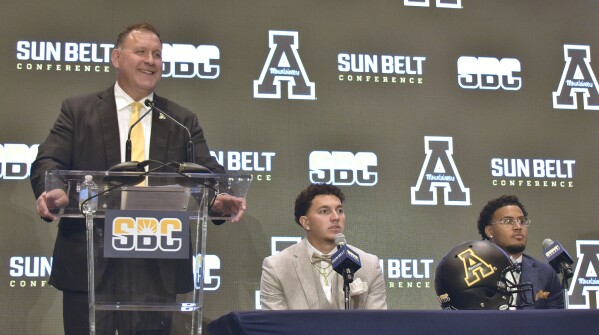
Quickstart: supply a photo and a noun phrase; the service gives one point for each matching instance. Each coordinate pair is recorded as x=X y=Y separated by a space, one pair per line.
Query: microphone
x=128 y=164
x=134 y=173
x=558 y=258
x=345 y=261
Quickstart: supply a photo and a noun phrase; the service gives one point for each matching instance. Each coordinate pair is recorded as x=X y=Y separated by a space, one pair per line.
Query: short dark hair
x=135 y=27
x=486 y=214
x=304 y=199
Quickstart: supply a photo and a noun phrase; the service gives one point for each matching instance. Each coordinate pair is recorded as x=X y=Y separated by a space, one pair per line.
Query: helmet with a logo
x=479 y=275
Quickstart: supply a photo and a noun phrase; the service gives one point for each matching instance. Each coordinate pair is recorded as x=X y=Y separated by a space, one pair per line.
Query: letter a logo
x=578 y=77
x=475 y=267
x=284 y=64
x=439 y=171
x=585 y=283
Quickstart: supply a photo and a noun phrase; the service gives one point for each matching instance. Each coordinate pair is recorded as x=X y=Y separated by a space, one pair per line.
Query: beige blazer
x=289 y=281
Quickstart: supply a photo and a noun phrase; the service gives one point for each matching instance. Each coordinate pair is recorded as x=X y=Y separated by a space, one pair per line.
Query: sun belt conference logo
x=585 y=278
x=373 y=68
x=258 y=163
x=537 y=172
x=439 y=171
x=178 y=60
x=29 y=271
x=577 y=78
x=407 y=273
x=284 y=64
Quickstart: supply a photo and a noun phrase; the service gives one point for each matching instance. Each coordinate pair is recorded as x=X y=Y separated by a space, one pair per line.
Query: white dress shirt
x=326 y=288
x=124 y=110
x=516 y=279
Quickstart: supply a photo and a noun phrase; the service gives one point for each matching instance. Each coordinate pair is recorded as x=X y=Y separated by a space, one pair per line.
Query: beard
x=515 y=249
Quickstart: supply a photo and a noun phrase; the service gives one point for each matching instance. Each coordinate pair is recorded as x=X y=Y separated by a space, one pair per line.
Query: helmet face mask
x=508 y=286
x=479 y=275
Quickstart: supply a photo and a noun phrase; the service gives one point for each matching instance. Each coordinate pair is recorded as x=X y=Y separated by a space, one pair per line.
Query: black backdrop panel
x=472 y=98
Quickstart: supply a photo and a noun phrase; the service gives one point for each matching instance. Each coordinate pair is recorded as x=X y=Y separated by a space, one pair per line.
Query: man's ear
x=489 y=232
x=304 y=222
x=114 y=58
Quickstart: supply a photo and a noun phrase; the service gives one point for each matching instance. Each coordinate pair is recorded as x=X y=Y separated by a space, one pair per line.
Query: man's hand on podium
x=227 y=204
x=49 y=203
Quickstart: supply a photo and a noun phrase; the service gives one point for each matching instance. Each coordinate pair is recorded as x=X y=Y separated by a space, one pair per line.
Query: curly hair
x=304 y=199
x=487 y=212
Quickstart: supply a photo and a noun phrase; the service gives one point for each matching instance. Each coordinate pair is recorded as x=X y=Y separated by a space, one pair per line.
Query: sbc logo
x=16 y=159
x=211 y=266
x=279 y=243
x=146 y=234
x=440 y=3
x=488 y=73
x=187 y=61
x=343 y=168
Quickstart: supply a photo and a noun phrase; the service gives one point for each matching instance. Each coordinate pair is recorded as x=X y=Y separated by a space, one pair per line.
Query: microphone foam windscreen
x=340 y=239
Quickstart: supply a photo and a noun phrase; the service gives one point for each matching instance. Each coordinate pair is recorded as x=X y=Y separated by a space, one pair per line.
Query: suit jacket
x=288 y=282
x=544 y=280
x=86 y=137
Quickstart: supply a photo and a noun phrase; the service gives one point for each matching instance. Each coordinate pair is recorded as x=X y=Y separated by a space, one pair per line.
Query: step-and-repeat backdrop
x=420 y=110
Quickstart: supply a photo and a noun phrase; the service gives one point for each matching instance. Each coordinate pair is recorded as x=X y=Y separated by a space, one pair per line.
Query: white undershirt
x=124 y=110
x=326 y=288
x=516 y=279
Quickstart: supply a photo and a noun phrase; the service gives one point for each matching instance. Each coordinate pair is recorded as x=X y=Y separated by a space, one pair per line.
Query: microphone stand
x=348 y=278
x=566 y=273
x=565 y=291
x=190 y=166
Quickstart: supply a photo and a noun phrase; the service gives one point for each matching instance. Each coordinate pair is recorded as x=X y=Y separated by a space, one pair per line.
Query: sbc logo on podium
x=146 y=234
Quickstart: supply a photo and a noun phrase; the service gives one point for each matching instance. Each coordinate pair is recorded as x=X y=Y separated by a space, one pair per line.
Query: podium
x=145 y=244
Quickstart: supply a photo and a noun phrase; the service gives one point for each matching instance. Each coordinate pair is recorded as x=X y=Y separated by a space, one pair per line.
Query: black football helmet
x=479 y=275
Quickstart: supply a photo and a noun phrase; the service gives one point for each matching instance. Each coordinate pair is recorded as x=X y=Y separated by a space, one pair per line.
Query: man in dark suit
x=90 y=133
x=504 y=222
